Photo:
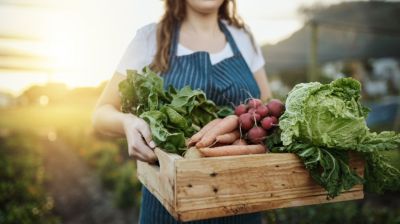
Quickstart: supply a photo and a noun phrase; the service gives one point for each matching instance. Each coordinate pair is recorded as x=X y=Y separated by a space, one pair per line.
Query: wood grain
x=257 y=207
x=192 y=189
x=160 y=180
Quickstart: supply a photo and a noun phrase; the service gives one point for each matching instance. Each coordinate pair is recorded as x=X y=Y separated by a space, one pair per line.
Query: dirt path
x=77 y=192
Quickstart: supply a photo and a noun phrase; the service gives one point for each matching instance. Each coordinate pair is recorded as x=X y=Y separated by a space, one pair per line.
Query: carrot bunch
x=221 y=137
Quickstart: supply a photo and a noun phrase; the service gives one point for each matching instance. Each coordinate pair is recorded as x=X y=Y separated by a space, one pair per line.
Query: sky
x=81 y=41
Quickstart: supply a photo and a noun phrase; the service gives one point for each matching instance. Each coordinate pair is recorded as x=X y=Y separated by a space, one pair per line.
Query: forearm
x=262 y=82
x=109 y=121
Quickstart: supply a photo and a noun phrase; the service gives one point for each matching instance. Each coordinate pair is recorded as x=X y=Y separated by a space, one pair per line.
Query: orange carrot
x=228 y=138
x=196 y=137
x=240 y=142
x=232 y=150
x=228 y=124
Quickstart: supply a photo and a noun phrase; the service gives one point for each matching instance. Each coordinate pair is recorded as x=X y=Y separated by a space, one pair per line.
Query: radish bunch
x=256 y=118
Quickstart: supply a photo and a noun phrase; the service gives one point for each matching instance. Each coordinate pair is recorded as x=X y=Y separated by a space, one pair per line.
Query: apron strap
x=229 y=37
x=175 y=39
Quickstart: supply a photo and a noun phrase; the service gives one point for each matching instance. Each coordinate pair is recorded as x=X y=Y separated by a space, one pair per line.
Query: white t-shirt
x=143 y=47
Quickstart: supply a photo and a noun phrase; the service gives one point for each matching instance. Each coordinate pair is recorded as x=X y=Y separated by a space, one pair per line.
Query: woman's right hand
x=138 y=135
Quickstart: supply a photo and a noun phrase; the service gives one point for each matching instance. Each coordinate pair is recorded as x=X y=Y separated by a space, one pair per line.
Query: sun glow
x=81 y=42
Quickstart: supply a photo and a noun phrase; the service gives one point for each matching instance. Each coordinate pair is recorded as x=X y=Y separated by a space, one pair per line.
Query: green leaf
x=328 y=167
x=387 y=140
x=380 y=174
x=225 y=111
x=174 y=117
x=273 y=140
x=168 y=141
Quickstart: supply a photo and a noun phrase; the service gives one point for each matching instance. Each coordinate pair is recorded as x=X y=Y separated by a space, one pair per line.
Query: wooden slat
x=252 y=198
x=160 y=181
x=149 y=176
x=249 y=208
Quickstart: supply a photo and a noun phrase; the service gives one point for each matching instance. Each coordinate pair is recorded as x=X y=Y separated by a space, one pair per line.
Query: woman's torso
x=230 y=80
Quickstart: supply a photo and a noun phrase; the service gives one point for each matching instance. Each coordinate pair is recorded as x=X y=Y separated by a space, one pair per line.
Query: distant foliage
x=373 y=209
x=22 y=196
x=109 y=158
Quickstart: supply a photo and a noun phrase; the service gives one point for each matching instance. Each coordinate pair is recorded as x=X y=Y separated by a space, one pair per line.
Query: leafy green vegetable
x=173 y=115
x=225 y=111
x=380 y=175
x=335 y=176
x=322 y=123
x=325 y=115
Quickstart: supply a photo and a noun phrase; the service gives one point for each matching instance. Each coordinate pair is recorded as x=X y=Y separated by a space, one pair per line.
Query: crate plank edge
x=194 y=189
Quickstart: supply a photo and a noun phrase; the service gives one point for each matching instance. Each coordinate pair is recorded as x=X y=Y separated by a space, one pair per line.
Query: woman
x=201 y=43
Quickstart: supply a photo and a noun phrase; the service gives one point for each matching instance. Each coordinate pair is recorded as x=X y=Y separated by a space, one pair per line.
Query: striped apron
x=228 y=81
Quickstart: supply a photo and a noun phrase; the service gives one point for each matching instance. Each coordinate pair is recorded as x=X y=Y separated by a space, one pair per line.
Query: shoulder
x=250 y=50
x=147 y=31
x=141 y=49
x=240 y=35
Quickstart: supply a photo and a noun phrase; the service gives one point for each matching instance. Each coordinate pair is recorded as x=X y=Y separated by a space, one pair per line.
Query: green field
x=41 y=117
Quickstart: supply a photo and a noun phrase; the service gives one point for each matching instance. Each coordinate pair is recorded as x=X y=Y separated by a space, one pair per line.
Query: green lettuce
x=322 y=123
x=173 y=115
x=325 y=115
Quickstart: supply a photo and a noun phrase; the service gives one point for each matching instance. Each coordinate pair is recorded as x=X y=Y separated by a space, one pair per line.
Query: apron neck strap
x=175 y=39
x=229 y=38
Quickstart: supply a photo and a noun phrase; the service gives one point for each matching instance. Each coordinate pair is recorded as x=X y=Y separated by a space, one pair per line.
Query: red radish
x=257 y=116
x=246 y=121
x=241 y=109
x=254 y=114
x=262 y=110
x=268 y=122
x=254 y=103
x=256 y=134
x=275 y=120
x=252 y=110
x=276 y=108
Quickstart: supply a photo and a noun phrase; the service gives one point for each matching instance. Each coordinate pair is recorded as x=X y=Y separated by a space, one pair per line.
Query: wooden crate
x=193 y=189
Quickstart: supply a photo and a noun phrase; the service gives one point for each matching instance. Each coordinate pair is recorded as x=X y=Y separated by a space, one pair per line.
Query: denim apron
x=226 y=82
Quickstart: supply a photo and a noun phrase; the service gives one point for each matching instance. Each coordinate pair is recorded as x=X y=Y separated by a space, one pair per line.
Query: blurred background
x=56 y=57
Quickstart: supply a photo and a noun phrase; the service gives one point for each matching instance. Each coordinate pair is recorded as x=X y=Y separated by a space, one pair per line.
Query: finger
x=140 y=145
x=135 y=154
x=143 y=149
x=138 y=148
x=146 y=133
x=133 y=150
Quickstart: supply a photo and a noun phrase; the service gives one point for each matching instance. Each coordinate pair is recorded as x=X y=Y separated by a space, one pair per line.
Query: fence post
x=312 y=73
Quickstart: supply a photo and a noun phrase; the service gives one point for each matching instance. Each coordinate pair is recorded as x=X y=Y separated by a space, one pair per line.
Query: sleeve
x=137 y=55
x=258 y=60
x=254 y=52
x=251 y=52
